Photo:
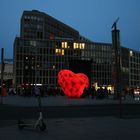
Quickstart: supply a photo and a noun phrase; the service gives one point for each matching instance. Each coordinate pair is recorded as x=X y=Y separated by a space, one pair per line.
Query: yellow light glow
x=79 y=45
x=74 y=45
x=56 y=50
x=83 y=45
x=62 y=52
x=66 y=45
x=63 y=44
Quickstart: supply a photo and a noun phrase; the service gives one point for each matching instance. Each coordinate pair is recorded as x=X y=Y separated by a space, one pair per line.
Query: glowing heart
x=72 y=84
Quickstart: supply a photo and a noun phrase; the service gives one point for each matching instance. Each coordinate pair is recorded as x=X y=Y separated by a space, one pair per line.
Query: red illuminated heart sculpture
x=72 y=84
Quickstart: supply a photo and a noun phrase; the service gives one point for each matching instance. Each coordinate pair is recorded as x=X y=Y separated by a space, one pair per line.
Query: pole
x=2 y=71
x=117 y=65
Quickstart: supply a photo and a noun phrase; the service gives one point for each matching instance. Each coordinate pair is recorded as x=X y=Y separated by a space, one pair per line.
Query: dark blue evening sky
x=92 y=18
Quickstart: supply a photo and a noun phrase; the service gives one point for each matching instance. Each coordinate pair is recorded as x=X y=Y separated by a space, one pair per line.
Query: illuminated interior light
x=80 y=46
x=66 y=45
x=62 y=51
x=83 y=45
x=38 y=84
x=63 y=44
x=56 y=50
x=131 y=53
x=74 y=45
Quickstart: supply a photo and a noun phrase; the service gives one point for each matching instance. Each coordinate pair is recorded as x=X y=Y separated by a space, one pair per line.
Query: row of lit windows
x=78 y=45
x=59 y=51
x=64 y=45
x=75 y=45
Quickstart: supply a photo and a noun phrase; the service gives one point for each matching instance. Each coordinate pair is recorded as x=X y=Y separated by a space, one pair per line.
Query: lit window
x=66 y=45
x=56 y=50
x=80 y=46
x=131 y=53
x=62 y=51
x=75 y=45
x=63 y=44
x=83 y=45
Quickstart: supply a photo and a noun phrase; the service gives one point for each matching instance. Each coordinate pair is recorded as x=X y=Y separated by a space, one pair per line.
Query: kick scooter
x=39 y=123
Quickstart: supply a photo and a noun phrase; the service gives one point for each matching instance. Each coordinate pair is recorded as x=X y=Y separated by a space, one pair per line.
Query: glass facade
x=46 y=46
x=38 y=62
x=134 y=64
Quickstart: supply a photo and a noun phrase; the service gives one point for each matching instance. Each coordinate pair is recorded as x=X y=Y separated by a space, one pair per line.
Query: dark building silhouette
x=46 y=45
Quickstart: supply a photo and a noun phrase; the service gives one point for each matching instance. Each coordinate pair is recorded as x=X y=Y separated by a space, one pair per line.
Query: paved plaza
x=92 y=128
x=101 y=128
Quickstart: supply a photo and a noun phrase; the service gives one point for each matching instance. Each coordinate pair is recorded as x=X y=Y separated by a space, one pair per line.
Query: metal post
x=2 y=72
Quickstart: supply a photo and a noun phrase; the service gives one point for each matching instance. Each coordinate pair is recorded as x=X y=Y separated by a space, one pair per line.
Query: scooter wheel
x=42 y=126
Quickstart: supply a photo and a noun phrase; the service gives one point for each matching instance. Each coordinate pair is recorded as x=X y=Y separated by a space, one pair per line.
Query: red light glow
x=72 y=84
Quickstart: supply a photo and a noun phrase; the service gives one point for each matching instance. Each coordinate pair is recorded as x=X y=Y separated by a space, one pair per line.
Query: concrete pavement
x=101 y=128
x=96 y=128
x=62 y=101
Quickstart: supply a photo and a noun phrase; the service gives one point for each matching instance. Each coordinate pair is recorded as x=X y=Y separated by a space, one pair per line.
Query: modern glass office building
x=46 y=46
x=39 y=61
